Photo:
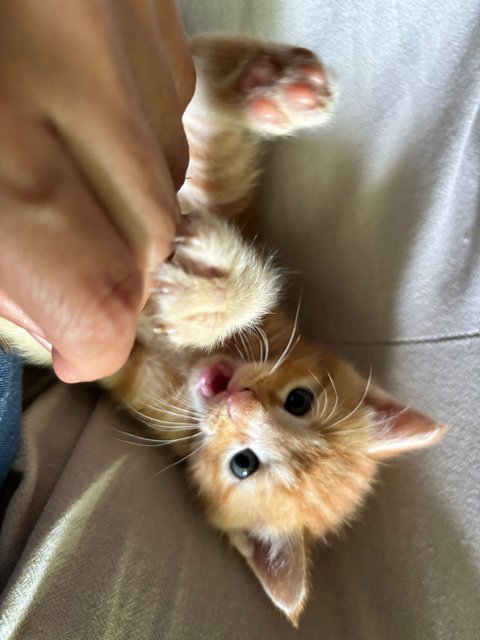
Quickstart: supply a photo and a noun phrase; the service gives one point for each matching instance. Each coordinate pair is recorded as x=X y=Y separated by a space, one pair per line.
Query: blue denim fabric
x=10 y=409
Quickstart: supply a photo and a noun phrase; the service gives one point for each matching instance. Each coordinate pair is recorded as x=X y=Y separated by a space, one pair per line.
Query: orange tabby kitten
x=281 y=438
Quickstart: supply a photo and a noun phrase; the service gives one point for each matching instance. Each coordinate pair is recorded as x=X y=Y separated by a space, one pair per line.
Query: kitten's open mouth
x=214 y=378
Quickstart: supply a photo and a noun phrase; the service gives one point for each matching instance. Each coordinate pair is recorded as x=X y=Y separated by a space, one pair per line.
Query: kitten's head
x=290 y=449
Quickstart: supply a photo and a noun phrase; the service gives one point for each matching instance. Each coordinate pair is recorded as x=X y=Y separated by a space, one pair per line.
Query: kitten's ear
x=398 y=428
x=280 y=565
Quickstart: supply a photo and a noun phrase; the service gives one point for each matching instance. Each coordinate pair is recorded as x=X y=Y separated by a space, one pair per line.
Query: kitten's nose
x=238 y=402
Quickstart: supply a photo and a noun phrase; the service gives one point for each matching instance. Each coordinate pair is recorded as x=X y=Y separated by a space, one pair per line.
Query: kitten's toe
x=163 y=329
x=164 y=288
x=184 y=240
x=189 y=234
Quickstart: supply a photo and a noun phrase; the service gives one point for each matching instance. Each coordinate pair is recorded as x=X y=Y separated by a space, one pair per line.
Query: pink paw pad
x=259 y=73
x=266 y=110
x=300 y=95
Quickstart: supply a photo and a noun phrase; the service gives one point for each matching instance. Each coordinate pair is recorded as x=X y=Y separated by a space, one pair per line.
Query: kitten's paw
x=286 y=89
x=272 y=89
x=214 y=285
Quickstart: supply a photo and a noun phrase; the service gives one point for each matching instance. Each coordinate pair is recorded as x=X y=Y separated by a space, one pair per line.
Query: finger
x=64 y=263
x=162 y=69
x=177 y=49
x=84 y=87
x=88 y=311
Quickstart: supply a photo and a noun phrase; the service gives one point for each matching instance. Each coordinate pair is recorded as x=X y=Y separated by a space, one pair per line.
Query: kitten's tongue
x=214 y=379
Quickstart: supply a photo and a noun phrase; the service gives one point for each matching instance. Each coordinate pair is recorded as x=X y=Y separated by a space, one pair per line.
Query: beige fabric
x=380 y=213
x=113 y=548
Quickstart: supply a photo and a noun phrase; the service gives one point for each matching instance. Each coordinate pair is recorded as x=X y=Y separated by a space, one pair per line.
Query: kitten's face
x=289 y=450
x=284 y=449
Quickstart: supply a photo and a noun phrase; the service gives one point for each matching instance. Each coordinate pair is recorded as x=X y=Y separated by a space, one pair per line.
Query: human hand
x=93 y=150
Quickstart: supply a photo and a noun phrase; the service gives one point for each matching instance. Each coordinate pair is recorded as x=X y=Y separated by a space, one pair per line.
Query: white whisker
x=317 y=408
x=186 y=414
x=163 y=443
x=174 y=464
x=240 y=354
x=168 y=427
x=258 y=339
x=244 y=350
x=159 y=421
x=358 y=405
x=290 y=345
x=152 y=421
x=332 y=412
x=247 y=346
x=325 y=395
x=170 y=405
x=159 y=425
x=240 y=347
x=176 y=408
x=288 y=350
x=183 y=397
x=265 y=342
x=134 y=436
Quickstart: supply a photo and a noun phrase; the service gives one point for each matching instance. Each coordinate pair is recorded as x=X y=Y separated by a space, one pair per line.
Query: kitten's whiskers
x=332 y=412
x=180 y=412
x=157 y=423
x=325 y=395
x=240 y=354
x=247 y=346
x=357 y=406
x=157 y=443
x=174 y=464
x=265 y=342
x=291 y=344
x=258 y=340
x=183 y=397
x=160 y=425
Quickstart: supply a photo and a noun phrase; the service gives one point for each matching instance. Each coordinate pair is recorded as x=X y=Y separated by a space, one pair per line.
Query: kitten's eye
x=244 y=463
x=298 y=402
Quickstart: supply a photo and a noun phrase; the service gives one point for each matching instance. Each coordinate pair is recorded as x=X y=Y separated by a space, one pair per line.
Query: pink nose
x=238 y=402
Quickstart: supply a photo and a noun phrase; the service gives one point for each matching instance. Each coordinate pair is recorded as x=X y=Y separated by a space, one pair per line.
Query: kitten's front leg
x=214 y=285
x=247 y=90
